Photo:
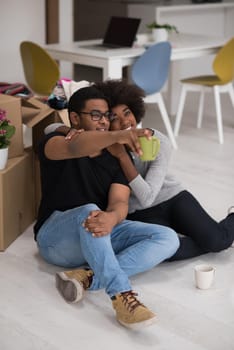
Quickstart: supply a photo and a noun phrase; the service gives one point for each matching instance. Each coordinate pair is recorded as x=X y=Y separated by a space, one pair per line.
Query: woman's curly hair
x=120 y=92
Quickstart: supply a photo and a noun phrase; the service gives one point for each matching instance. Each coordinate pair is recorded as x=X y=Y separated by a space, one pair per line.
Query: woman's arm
x=56 y=127
x=147 y=185
x=64 y=129
x=128 y=168
x=120 y=152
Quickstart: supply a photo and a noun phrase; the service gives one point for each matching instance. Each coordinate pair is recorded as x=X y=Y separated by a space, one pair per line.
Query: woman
x=156 y=196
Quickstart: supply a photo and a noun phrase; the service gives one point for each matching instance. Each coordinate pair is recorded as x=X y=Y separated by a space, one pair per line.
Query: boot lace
x=130 y=301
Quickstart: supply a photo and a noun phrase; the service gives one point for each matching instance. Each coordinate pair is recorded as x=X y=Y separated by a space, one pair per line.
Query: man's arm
x=88 y=143
x=101 y=223
x=118 y=201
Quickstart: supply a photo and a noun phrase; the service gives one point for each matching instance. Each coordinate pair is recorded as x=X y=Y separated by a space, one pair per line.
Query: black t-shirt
x=69 y=183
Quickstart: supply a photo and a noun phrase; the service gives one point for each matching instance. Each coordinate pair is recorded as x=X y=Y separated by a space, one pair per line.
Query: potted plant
x=7 y=130
x=160 y=31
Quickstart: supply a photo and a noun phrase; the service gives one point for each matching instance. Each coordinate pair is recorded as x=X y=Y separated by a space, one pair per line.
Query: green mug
x=150 y=147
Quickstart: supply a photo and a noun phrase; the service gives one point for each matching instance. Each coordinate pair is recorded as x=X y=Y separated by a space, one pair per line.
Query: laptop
x=120 y=33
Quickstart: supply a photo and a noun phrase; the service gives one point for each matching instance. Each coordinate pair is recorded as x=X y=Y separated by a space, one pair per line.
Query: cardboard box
x=12 y=106
x=36 y=115
x=37 y=182
x=17 y=198
x=18 y=110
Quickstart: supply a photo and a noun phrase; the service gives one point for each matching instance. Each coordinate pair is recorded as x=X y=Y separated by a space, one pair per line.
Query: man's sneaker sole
x=70 y=289
x=139 y=325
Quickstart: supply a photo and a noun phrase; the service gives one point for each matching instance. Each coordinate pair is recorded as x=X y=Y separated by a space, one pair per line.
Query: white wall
x=25 y=20
x=19 y=20
x=66 y=33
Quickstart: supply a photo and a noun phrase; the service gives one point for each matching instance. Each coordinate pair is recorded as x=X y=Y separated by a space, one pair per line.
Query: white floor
x=33 y=316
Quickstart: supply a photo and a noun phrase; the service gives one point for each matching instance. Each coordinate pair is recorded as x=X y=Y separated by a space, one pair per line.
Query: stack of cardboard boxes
x=20 y=180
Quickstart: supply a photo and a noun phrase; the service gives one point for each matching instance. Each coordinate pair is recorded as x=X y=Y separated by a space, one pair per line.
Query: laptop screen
x=121 y=31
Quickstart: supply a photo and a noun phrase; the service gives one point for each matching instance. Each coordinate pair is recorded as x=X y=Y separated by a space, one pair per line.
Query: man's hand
x=130 y=138
x=100 y=223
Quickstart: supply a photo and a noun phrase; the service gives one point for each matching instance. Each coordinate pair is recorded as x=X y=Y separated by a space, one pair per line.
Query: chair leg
x=218 y=113
x=231 y=93
x=200 y=109
x=166 y=120
x=180 y=110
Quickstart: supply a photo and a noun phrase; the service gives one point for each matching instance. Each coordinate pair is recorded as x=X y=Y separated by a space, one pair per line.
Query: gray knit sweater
x=153 y=185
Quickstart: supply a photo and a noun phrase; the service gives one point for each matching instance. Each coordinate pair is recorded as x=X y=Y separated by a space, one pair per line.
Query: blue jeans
x=131 y=248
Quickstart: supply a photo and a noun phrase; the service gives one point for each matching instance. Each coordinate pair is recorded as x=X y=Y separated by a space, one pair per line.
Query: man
x=82 y=213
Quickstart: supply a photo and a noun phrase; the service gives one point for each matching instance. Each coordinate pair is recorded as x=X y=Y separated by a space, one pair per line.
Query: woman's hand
x=72 y=132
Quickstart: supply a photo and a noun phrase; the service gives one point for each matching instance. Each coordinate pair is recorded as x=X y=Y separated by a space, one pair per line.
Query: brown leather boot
x=72 y=284
x=130 y=312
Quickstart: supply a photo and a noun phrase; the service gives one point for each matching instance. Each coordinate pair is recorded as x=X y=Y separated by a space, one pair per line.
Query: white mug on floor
x=204 y=276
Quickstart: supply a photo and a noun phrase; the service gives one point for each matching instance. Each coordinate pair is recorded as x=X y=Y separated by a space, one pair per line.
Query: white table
x=184 y=46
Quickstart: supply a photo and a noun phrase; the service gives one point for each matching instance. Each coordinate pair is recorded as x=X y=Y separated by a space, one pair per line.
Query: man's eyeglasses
x=97 y=115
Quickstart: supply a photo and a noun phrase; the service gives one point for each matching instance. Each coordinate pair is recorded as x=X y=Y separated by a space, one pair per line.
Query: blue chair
x=150 y=72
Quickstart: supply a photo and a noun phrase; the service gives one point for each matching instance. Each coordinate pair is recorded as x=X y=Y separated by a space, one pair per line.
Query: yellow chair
x=221 y=82
x=40 y=69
